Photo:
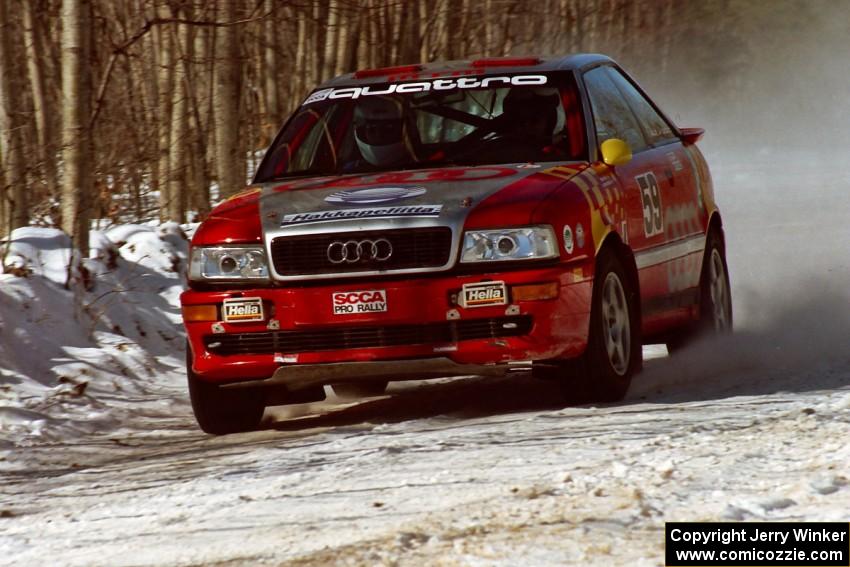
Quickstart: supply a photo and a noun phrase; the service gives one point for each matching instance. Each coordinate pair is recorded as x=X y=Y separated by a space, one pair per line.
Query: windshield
x=465 y=121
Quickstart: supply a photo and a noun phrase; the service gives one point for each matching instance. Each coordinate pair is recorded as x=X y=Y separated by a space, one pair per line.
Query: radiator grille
x=411 y=248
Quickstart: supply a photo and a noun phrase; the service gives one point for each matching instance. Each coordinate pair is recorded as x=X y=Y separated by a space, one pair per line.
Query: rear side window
x=612 y=116
x=655 y=128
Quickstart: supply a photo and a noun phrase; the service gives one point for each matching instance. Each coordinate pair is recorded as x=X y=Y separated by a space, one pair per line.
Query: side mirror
x=615 y=152
x=691 y=135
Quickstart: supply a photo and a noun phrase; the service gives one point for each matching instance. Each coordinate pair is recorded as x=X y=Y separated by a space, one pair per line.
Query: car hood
x=455 y=197
x=408 y=199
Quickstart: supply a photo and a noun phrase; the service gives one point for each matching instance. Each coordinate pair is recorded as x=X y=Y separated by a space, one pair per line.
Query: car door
x=683 y=213
x=642 y=183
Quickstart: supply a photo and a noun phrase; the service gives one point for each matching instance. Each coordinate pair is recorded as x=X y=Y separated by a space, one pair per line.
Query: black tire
x=221 y=411
x=614 y=353
x=715 y=297
x=353 y=390
x=715 y=301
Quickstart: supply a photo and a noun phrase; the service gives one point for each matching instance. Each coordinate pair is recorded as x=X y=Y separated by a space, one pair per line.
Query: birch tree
x=179 y=128
x=76 y=111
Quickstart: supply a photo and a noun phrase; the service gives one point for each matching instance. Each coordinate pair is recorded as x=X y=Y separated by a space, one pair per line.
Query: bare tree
x=76 y=111
x=271 y=68
x=164 y=62
x=196 y=78
x=42 y=102
x=16 y=213
x=187 y=91
x=230 y=159
x=179 y=133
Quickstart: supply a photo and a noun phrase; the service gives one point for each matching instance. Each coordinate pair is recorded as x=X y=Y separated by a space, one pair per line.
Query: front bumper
x=302 y=376
x=422 y=322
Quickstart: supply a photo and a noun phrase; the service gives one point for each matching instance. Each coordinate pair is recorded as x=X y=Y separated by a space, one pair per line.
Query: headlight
x=529 y=243
x=228 y=263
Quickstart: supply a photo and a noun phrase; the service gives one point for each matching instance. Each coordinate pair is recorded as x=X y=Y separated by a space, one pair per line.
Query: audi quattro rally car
x=450 y=219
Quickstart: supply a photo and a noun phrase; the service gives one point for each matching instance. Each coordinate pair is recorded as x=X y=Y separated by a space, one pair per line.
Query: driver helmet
x=536 y=113
x=379 y=130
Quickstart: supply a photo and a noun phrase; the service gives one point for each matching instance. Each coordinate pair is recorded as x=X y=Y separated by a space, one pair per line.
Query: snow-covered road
x=479 y=471
x=468 y=472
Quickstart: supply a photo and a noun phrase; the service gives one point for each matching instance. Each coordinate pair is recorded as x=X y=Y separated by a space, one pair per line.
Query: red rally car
x=460 y=218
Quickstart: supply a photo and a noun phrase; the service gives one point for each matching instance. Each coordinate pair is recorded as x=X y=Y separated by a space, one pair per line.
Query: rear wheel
x=352 y=390
x=220 y=411
x=715 y=297
x=604 y=372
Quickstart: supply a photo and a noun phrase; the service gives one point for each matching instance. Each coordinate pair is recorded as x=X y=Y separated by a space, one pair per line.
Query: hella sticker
x=353 y=302
x=243 y=309
x=374 y=195
x=483 y=294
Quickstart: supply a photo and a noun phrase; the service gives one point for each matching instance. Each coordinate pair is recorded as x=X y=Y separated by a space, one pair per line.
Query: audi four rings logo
x=352 y=251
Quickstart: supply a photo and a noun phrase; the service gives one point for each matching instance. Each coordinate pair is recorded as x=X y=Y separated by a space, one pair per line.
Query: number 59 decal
x=650 y=197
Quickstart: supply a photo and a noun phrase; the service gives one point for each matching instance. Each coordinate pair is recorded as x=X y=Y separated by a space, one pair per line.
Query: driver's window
x=654 y=126
x=612 y=116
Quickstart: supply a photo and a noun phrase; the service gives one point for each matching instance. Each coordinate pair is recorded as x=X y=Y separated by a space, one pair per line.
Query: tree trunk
x=148 y=74
x=165 y=79
x=508 y=40
x=593 y=25
x=352 y=42
x=272 y=72
x=331 y=41
x=208 y=107
x=76 y=111
x=319 y=31
x=462 y=31
x=489 y=27
x=177 y=154
x=302 y=65
x=195 y=81
x=346 y=24
x=13 y=126
x=386 y=46
x=42 y=108
x=425 y=31
x=5 y=220
x=229 y=163
x=374 y=35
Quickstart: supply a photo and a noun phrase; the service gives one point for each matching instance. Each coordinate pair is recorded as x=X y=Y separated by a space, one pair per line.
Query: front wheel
x=604 y=372
x=219 y=411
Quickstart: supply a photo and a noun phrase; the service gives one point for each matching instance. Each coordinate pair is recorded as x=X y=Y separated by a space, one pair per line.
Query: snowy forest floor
x=101 y=462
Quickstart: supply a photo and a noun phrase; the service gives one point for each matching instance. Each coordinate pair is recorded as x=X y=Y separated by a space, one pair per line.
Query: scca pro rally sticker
x=353 y=302
x=243 y=309
x=483 y=294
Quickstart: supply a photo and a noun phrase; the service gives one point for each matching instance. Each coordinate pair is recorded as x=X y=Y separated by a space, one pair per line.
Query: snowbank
x=88 y=349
